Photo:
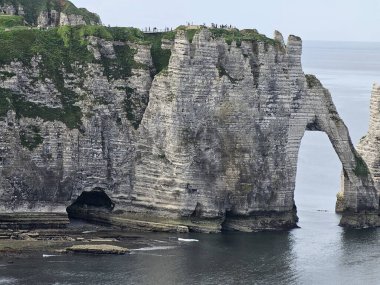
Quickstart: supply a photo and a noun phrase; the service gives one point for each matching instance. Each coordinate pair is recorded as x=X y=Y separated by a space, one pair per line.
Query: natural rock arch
x=235 y=136
x=360 y=195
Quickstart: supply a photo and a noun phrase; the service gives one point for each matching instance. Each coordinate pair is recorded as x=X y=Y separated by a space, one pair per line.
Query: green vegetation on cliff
x=7 y=21
x=361 y=168
x=33 y=8
x=229 y=35
x=71 y=115
x=69 y=8
x=239 y=36
x=63 y=50
x=312 y=81
x=160 y=57
x=30 y=137
x=55 y=56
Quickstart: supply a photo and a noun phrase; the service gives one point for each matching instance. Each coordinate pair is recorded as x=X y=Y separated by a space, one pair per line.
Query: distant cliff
x=48 y=13
x=198 y=128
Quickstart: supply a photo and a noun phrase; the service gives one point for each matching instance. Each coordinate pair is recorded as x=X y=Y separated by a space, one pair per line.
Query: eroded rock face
x=45 y=164
x=369 y=145
x=222 y=132
x=217 y=145
x=369 y=149
x=8 y=9
x=55 y=18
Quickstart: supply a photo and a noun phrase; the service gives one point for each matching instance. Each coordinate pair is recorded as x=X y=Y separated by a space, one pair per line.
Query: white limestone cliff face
x=217 y=145
x=54 y=18
x=8 y=9
x=49 y=19
x=368 y=148
x=71 y=160
x=369 y=145
x=222 y=130
x=71 y=20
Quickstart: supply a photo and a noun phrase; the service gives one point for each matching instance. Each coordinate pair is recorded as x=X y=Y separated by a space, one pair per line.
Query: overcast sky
x=341 y=20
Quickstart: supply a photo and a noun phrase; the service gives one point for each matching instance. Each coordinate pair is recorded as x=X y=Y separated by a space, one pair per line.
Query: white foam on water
x=187 y=240
x=148 y=253
x=154 y=248
x=160 y=241
x=88 y=232
x=49 y=255
x=4 y=280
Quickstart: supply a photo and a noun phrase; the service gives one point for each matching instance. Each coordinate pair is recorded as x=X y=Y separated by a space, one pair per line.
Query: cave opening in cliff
x=90 y=202
x=318 y=175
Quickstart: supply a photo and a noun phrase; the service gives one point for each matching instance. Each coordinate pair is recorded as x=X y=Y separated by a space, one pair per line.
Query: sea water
x=320 y=252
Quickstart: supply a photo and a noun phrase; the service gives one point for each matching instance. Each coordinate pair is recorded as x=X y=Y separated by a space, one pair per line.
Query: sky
x=329 y=20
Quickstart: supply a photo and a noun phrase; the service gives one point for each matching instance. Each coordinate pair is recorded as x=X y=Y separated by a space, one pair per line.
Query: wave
x=154 y=248
x=187 y=240
x=49 y=255
x=4 y=280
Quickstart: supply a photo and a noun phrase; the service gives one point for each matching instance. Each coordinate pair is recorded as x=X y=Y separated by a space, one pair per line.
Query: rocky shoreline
x=76 y=236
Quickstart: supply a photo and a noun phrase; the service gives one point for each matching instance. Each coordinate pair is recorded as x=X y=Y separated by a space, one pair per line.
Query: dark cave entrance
x=90 y=205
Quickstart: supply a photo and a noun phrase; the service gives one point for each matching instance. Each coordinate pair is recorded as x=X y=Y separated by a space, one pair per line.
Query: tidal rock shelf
x=34 y=220
x=97 y=249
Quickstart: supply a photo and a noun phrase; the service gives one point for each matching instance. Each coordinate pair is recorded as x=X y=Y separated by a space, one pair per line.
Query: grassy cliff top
x=228 y=34
x=65 y=45
x=8 y=21
x=33 y=8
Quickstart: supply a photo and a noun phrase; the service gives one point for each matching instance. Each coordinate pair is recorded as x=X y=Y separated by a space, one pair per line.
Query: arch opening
x=317 y=177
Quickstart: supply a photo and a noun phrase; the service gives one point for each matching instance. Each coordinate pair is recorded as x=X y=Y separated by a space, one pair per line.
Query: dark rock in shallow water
x=97 y=249
x=261 y=221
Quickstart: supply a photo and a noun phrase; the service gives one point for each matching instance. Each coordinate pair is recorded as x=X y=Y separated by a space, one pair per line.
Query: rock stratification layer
x=222 y=130
x=201 y=130
x=369 y=149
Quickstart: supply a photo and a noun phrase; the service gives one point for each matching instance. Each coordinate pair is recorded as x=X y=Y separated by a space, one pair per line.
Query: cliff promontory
x=196 y=129
x=45 y=13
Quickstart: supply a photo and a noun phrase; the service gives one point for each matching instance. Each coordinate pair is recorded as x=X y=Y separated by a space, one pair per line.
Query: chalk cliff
x=369 y=149
x=199 y=129
x=369 y=145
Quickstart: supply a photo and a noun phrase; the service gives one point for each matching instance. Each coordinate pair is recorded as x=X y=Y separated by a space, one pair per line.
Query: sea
x=319 y=252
